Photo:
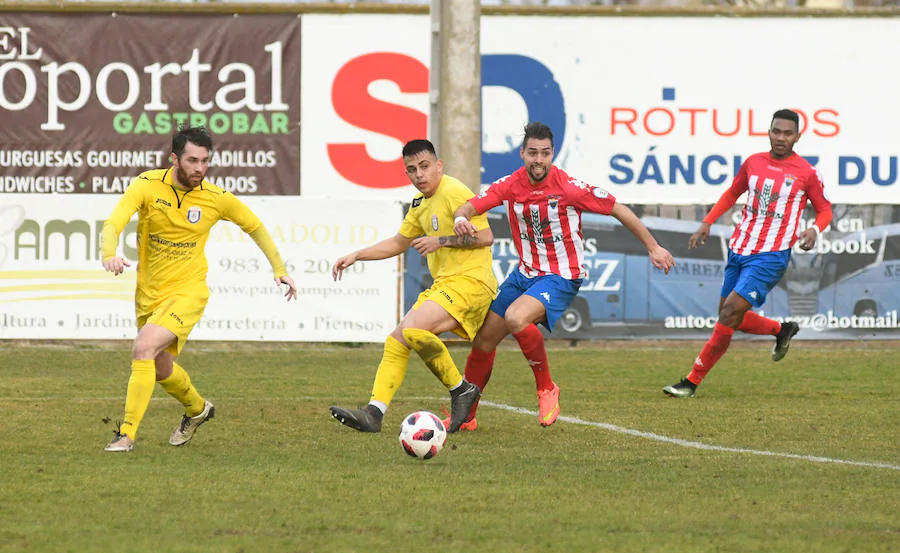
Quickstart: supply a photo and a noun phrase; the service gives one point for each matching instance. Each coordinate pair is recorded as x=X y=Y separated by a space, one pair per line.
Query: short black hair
x=195 y=135
x=417 y=146
x=538 y=131
x=787 y=114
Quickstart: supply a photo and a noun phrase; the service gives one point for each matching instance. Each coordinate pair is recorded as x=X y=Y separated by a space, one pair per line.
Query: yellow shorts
x=466 y=299
x=177 y=313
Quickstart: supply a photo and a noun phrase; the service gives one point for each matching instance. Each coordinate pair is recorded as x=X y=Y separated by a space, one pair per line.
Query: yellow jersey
x=173 y=227
x=434 y=217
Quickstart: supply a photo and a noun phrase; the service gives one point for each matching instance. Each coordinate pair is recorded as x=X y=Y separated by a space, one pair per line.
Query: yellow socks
x=140 y=388
x=178 y=385
x=434 y=353
x=391 y=371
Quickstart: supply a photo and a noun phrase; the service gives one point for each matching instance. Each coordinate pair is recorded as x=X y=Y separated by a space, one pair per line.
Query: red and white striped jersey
x=778 y=190
x=545 y=219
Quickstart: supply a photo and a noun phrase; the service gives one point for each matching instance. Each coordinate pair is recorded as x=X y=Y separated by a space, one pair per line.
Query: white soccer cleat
x=188 y=425
x=120 y=442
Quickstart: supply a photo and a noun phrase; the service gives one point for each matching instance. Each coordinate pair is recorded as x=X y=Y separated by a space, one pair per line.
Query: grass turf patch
x=274 y=472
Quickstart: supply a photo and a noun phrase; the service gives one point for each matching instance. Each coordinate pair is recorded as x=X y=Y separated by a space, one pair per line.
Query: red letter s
x=352 y=103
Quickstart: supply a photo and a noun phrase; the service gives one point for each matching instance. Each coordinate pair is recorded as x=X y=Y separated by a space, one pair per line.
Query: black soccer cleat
x=367 y=419
x=461 y=401
x=685 y=388
x=783 y=340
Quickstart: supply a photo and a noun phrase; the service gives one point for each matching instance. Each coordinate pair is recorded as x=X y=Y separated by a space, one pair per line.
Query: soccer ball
x=422 y=435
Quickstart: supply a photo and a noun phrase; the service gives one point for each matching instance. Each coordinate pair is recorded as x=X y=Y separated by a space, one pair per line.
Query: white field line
x=694 y=445
x=522 y=411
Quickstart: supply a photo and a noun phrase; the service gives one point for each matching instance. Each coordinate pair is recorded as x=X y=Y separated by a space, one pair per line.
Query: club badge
x=193 y=215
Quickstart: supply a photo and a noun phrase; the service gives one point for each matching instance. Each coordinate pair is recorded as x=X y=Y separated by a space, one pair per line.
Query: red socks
x=479 y=365
x=532 y=343
x=755 y=323
x=717 y=345
x=714 y=349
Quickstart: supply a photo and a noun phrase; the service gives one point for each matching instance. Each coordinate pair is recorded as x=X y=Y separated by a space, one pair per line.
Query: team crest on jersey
x=193 y=215
x=538 y=226
x=434 y=222
x=553 y=201
x=765 y=196
x=789 y=180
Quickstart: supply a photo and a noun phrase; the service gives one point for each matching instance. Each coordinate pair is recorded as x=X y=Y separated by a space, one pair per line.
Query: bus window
x=862 y=283
x=839 y=266
x=892 y=248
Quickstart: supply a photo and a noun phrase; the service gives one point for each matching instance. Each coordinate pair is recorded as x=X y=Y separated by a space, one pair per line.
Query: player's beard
x=185 y=180
x=535 y=178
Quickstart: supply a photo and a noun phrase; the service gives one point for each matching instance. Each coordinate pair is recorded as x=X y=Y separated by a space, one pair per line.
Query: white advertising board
x=656 y=109
x=52 y=284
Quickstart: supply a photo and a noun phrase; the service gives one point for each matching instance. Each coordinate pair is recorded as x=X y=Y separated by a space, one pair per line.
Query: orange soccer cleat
x=548 y=405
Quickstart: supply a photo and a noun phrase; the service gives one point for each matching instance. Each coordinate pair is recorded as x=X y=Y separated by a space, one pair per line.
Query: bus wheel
x=865 y=308
x=574 y=318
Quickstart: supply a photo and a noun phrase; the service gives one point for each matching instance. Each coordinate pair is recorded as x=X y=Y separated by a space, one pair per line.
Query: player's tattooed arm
x=467 y=241
x=430 y=244
x=480 y=239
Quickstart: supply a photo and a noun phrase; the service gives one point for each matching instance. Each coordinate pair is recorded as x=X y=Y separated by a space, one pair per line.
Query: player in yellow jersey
x=176 y=209
x=464 y=286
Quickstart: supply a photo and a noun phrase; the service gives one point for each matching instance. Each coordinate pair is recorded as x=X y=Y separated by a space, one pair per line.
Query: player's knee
x=397 y=334
x=729 y=315
x=416 y=336
x=144 y=349
x=481 y=342
x=516 y=321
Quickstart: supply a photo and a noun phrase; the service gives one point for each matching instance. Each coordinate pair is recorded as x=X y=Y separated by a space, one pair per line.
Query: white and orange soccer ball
x=422 y=435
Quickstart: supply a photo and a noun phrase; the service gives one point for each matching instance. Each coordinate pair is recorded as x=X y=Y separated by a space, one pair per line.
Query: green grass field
x=274 y=472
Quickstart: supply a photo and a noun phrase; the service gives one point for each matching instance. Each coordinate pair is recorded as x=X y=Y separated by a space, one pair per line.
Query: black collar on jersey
x=175 y=190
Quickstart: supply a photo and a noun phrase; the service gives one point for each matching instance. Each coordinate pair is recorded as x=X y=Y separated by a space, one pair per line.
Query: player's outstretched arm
x=389 y=247
x=726 y=201
x=430 y=244
x=109 y=240
x=115 y=265
x=808 y=237
x=822 y=205
x=128 y=205
x=291 y=293
x=659 y=256
x=699 y=237
x=462 y=226
x=264 y=240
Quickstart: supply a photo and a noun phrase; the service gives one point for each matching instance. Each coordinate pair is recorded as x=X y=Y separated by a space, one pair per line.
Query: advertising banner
x=88 y=101
x=52 y=284
x=659 y=110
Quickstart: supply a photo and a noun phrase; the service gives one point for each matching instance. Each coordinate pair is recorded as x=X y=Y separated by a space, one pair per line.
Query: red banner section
x=89 y=101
